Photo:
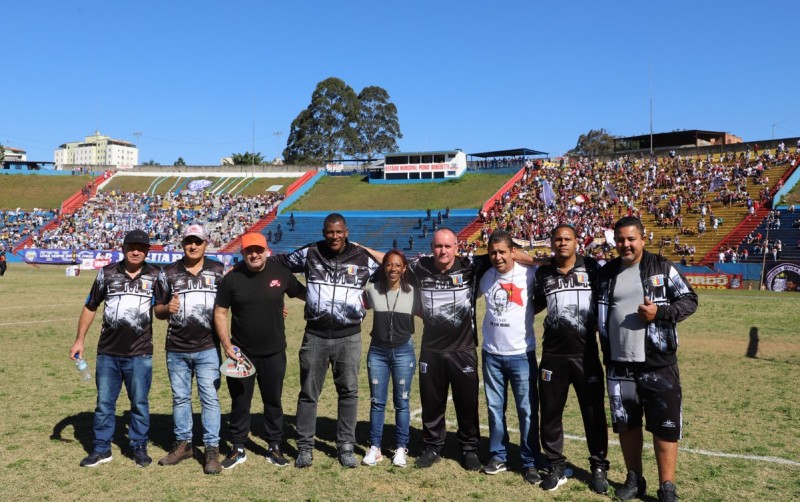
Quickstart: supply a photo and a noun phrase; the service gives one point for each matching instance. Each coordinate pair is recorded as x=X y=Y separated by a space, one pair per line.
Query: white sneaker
x=399 y=459
x=373 y=456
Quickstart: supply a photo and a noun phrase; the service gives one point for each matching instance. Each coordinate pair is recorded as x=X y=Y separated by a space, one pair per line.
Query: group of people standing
x=633 y=302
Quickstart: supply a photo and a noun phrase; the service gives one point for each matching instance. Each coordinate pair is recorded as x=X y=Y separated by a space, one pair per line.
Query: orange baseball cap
x=254 y=239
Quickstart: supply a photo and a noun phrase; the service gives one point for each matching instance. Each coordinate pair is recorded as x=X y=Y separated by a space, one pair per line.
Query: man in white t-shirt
x=509 y=355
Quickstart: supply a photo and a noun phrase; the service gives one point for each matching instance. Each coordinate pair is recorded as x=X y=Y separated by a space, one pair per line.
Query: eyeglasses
x=197 y=241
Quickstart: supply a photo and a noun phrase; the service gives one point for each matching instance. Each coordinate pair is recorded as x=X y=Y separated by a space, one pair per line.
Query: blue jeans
x=343 y=355
x=399 y=364
x=137 y=374
x=181 y=367
x=520 y=371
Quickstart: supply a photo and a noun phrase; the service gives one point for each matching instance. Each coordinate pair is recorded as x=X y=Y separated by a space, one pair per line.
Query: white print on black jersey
x=197 y=299
x=569 y=303
x=128 y=303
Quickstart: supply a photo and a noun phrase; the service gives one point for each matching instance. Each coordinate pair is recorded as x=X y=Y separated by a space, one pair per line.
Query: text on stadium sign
x=417 y=167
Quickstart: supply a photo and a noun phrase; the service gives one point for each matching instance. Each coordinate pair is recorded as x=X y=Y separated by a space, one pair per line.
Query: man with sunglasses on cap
x=254 y=290
x=185 y=296
x=125 y=347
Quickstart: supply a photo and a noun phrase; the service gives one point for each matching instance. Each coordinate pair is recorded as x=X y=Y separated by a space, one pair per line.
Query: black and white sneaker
x=532 y=475
x=275 y=456
x=234 y=458
x=635 y=486
x=495 y=467
x=96 y=458
x=599 y=480
x=554 y=479
x=428 y=458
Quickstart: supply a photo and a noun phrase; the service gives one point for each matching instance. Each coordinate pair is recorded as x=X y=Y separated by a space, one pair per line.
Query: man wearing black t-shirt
x=125 y=348
x=187 y=300
x=254 y=291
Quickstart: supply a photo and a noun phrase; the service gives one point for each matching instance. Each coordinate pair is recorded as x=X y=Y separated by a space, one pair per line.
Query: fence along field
x=743 y=409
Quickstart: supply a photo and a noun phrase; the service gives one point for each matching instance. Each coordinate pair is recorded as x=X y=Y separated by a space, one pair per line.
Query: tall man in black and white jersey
x=570 y=357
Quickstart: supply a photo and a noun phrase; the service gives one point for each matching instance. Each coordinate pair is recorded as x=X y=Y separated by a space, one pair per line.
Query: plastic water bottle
x=83 y=368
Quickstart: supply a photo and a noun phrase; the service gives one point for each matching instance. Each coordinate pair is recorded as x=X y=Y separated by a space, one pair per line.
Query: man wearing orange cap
x=254 y=291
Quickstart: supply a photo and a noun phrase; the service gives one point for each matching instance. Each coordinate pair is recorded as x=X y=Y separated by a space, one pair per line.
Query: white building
x=97 y=150
x=15 y=154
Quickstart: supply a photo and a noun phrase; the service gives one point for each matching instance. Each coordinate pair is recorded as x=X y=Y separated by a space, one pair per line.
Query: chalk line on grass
x=415 y=415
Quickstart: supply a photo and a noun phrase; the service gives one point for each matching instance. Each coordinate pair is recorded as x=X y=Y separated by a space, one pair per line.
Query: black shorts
x=634 y=391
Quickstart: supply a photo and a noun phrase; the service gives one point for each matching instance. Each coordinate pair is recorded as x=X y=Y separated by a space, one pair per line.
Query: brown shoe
x=181 y=450
x=212 y=462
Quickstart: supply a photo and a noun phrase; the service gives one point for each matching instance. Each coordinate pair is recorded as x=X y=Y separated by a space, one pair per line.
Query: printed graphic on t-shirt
x=128 y=304
x=197 y=299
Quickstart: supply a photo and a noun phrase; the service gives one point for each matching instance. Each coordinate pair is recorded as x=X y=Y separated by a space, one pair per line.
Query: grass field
x=350 y=192
x=745 y=408
x=29 y=191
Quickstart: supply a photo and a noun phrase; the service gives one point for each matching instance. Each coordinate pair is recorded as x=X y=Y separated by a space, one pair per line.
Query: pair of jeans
x=270 y=371
x=205 y=366
x=137 y=375
x=397 y=364
x=520 y=372
x=343 y=355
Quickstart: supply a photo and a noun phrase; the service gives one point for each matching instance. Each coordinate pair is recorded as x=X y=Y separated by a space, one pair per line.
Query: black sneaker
x=470 y=461
x=141 y=457
x=96 y=458
x=428 y=458
x=275 y=456
x=667 y=492
x=532 y=476
x=554 y=479
x=635 y=486
x=234 y=458
x=599 y=480
x=495 y=467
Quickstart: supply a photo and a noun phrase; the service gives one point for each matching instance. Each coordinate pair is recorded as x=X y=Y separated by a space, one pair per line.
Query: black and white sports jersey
x=128 y=315
x=191 y=329
x=447 y=300
x=334 y=285
x=571 y=321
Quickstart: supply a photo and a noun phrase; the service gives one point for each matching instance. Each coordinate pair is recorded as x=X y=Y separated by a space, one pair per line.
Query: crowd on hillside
x=16 y=224
x=591 y=195
x=104 y=219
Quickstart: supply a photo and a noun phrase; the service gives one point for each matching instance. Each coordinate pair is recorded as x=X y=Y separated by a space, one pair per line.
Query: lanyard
x=391 y=313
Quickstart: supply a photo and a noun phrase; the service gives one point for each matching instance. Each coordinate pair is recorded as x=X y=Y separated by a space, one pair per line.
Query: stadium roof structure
x=674 y=139
x=514 y=152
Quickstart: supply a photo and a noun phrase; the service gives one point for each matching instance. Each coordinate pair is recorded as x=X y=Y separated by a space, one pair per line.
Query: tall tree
x=179 y=162
x=327 y=128
x=247 y=159
x=2 y=153
x=151 y=162
x=378 y=127
x=594 y=142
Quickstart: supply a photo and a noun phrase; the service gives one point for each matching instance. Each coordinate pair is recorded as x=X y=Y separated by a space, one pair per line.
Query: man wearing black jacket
x=641 y=298
x=336 y=273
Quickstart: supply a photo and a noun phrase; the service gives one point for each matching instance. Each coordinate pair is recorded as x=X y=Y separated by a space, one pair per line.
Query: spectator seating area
x=677 y=198
x=777 y=237
x=370 y=229
x=16 y=225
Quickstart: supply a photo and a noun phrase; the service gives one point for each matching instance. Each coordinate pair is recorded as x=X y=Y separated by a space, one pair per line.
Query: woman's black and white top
x=394 y=308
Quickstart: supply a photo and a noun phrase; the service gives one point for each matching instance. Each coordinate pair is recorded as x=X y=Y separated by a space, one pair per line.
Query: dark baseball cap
x=137 y=237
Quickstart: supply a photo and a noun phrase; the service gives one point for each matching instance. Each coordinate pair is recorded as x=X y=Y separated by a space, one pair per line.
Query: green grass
x=29 y=191
x=332 y=193
x=732 y=405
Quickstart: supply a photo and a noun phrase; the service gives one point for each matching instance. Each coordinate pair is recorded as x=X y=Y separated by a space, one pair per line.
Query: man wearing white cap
x=185 y=296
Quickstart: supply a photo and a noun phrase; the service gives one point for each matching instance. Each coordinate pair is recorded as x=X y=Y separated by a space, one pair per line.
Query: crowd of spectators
x=590 y=195
x=16 y=224
x=101 y=223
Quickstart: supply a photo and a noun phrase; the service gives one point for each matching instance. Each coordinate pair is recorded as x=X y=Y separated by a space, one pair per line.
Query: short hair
x=629 y=221
x=333 y=219
x=501 y=237
x=563 y=225
x=446 y=229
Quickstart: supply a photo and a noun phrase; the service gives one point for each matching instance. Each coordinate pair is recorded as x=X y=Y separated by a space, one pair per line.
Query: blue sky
x=194 y=77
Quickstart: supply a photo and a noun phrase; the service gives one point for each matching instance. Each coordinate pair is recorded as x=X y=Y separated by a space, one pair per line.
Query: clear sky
x=196 y=78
